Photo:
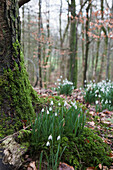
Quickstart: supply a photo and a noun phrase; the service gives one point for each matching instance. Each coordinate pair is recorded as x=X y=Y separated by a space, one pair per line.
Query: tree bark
x=73 y=46
x=22 y=2
x=16 y=93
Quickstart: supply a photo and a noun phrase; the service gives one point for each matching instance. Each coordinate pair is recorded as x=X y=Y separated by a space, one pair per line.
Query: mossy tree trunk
x=16 y=93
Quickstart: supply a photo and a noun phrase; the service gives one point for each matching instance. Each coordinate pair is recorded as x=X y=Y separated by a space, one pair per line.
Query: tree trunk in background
x=16 y=93
x=109 y=48
x=39 y=67
x=97 y=56
x=104 y=55
x=73 y=46
x=87 y=44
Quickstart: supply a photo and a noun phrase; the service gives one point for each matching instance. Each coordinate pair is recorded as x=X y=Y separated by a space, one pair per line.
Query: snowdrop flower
x=75 y=106
x=95 y=95
x=96 y=91
x=51 y=103
x=99 y=96
x=106 y=101
x=47 y=112
x=102 y=101
x=85 y=81
x=55 y=114
x=48 y=143
x=65 y=103
x=110 y=101
x=50 y=137
x=50 y=109
x=96 y=102
x=42 y=110
x=55 y=83
x=58 y=138
x=58 y=79
x=59 y=104
x=61 y=77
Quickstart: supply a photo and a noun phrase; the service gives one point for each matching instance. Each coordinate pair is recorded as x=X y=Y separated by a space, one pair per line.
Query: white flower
x=55 y=83
x=50 y=137
x=99 y=96
x=95 y=95
x=106 y=101
x=85 y=81
x=58 y=79
x=58 y=138
x=61 y=77
x=65 y=103
x=42 y=110
x=50 y=109
x=75 y=106
x=48 y=143
x=59 y=104
x=47 y=112
x=96 y=91
x=55 y=114
x=96 y=102
x=51 y=103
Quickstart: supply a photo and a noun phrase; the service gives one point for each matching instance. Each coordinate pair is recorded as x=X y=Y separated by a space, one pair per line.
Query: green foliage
x=86 y=150
x=101 y=94
x=56 y=122
x=49 y=127
x=65 y=87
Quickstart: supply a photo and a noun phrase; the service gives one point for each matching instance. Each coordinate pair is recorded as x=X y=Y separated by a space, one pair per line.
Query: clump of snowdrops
x=64 y=86
x=100 y=93
x=51 y=125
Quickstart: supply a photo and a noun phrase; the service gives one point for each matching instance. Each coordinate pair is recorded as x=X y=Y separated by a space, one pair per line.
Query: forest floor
x=98 y=121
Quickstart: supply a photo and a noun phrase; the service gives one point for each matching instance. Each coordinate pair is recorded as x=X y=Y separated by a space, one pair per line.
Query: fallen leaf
x=32 y=166
x=91 y=168
x=64 y=166
x=106 y=112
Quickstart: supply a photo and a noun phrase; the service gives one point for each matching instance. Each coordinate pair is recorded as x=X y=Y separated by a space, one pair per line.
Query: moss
x=17 y=99
x=86 y=150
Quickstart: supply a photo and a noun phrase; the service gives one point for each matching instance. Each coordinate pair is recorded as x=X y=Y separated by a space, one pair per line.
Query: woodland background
x=69 y=39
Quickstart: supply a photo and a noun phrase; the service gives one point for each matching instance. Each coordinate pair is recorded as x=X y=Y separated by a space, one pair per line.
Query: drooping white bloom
x=61 y=77
x=75 y=106
x=58 y=79
x=58 y=138
x=50 y=137
x=59 y=104
x=50 y=109
x=55 y=114
x=99 y=96
x=65 y=103
x=48 y=143
x=106 y=102
x=47 y=112
x=42 y=110
x=51 y=103
x=96 y=102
